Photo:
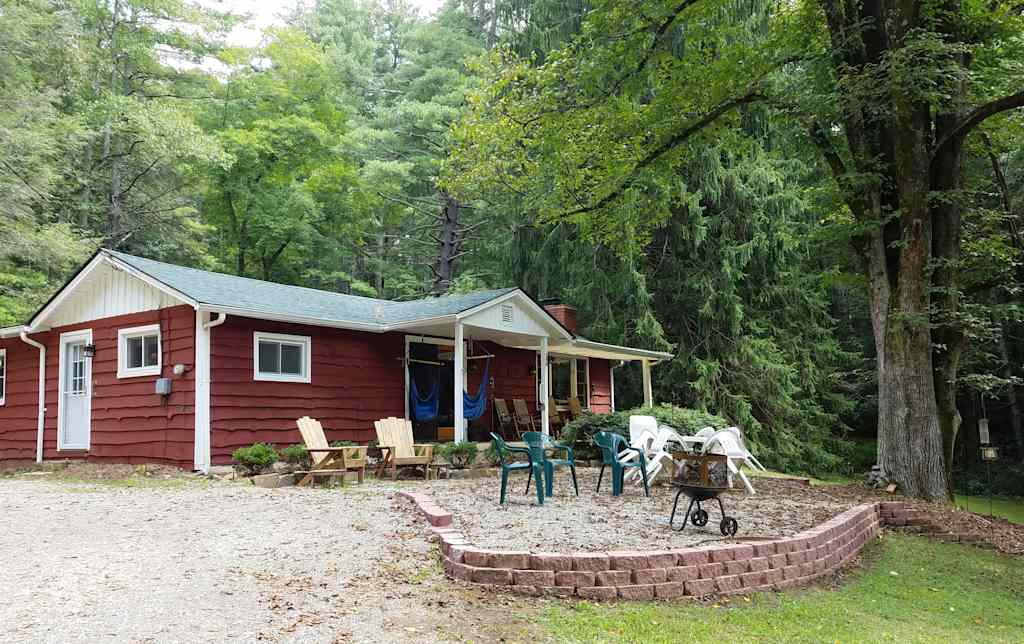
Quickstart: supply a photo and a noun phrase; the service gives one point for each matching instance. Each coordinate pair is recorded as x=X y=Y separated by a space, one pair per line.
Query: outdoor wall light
x=89 y=351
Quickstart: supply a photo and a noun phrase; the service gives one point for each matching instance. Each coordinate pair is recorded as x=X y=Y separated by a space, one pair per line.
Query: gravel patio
x=185 y=559
x=192 y=560
x=598 y=521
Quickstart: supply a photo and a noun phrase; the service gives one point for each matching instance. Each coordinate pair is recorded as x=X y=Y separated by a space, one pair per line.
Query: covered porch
x=509 y=348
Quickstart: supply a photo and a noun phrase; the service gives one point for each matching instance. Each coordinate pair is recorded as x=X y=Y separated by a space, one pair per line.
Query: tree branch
x=669 y=144
x=976 y=117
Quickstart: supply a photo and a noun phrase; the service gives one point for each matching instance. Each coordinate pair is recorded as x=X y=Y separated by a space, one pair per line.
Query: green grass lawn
x=911 y=590
x=1011 y=509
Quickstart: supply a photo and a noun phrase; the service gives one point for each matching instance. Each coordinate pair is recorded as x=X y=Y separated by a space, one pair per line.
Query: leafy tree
x=888 y=93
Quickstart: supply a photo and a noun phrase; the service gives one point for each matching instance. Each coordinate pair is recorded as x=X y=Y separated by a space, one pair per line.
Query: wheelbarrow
x=702 y=477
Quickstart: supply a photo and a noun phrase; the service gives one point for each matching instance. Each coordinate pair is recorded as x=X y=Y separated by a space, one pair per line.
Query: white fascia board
x=629 y=353
x=12 y=331
x=549 y=321
x=292 y=319
x=412 y=325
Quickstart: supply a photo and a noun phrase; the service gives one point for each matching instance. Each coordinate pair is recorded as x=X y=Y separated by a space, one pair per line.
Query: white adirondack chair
x=642 y=431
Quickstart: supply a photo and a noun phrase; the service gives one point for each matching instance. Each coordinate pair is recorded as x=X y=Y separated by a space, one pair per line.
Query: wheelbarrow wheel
x=699 y=517
x=729 y=526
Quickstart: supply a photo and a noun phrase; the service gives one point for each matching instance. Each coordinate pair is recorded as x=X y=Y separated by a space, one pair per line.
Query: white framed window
x=281 y=358
x=569 y=378
x=138 y=351
x=3 y=377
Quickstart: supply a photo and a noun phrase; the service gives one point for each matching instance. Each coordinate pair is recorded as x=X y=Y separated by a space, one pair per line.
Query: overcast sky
x=267 y=12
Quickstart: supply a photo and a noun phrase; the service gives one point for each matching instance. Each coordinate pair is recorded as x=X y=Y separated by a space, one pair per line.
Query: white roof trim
x=591 y=349
x=11 y=331
x=39 y=319
x=293 y=319
x=642 y=354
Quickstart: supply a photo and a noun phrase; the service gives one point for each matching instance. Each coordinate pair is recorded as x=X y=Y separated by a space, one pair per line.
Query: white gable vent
x=507 y=314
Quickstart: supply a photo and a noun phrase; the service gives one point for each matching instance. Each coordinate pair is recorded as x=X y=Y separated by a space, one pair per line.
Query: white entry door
x=75 y=391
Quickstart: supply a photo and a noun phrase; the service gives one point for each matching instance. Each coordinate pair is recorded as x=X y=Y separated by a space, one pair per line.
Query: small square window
x=139 y=351
x=282 y=358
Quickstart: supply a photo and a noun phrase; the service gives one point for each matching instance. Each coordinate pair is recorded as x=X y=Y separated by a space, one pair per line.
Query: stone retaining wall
x=726 y=569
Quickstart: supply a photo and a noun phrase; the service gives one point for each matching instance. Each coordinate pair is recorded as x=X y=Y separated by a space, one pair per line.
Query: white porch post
x=545 y=368
x=648 y=391
x=460 y=387
x=201 y=456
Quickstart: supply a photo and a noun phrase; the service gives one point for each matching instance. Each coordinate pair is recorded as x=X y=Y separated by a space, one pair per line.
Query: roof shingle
x=221 y=289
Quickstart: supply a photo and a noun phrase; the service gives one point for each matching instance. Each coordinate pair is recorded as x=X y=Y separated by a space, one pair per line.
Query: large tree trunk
x=1016 y=417
x=910 y=443
x=448 y=249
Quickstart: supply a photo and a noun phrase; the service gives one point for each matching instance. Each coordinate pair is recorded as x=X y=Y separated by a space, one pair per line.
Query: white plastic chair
x=725 y=443
x=654 y=445
x=751 y=459
x=642 y=431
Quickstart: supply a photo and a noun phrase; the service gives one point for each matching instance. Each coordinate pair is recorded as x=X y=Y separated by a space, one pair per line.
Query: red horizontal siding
x=600 y=386
x=19 y=414
x=130 y=423
x=514 y=376
x=356 y=378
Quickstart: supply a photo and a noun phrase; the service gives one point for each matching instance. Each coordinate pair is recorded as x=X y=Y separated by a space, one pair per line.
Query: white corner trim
x=305 y=341
x=201 y=440
x=41 y=420
x=3 y=376
x=123 y=370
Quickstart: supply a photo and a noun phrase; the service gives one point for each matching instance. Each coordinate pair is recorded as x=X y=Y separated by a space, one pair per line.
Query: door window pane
x=75 y=369
x=582 y=391
x=561 y=378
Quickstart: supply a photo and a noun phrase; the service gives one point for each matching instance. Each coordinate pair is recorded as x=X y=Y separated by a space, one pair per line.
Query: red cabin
x=135 y=360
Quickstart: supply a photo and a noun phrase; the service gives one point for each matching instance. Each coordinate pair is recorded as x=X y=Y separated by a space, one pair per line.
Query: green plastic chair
x=539 y=444
x=501 y=448
x=611 y=446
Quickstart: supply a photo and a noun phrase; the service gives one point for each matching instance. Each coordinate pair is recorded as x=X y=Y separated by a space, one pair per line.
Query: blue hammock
x=423 y=409
x=473 y=407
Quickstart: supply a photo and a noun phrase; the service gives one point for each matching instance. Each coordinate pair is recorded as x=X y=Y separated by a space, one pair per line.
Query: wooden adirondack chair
x=555 y=419
x=523 y=418
x=505 y=420
x=575 y=408
x=394 y=437
x=327 y=460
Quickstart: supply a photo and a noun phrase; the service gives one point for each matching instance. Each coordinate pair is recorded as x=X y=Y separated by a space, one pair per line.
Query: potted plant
x=255 y=459
x=460 y=455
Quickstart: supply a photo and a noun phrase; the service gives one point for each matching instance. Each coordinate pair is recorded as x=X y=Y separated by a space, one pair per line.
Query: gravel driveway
x=202 y=561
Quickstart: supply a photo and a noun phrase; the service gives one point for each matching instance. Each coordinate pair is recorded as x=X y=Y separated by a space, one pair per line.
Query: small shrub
x=491 y=456
x=460 y=455
x=296 y=457
x=255 y=459
x=343 y=443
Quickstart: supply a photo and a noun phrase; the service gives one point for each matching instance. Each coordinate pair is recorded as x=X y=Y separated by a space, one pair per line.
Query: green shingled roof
x=230 y=291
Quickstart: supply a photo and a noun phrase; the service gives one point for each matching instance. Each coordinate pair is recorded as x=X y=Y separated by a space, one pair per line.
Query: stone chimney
x=564 y=313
